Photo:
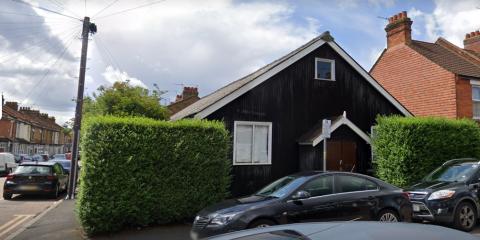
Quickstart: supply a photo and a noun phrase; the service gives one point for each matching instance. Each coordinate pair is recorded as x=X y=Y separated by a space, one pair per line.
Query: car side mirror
x=301 y=195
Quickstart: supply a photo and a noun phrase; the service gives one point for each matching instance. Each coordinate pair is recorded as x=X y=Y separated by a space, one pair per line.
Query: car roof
x=357 y=230
x=312 y=174
x=461 y=160
x=38 y=163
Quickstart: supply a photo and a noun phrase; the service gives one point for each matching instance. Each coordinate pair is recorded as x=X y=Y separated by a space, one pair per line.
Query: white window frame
x=332 y=68
x=269 y=153
x=474 y=83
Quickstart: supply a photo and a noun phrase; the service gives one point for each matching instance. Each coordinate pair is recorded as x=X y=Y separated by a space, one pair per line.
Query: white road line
x=23 y=218
x=34 y=219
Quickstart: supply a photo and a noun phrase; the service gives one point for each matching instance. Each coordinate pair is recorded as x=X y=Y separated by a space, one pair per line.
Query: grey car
x=348 y=231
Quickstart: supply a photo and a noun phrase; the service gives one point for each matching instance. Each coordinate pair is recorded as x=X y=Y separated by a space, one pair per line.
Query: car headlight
x=221 y=219
x=442 y=194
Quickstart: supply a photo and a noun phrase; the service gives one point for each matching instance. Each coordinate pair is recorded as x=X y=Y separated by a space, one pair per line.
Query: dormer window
x=325 y=69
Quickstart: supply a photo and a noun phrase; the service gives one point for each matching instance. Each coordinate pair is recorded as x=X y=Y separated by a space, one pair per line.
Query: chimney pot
x=472 y=41
x=399 y=29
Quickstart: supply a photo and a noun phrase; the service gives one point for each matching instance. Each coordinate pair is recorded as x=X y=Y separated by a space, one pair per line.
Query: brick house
x=430 y=79
x=27 y=131
x=189 y=96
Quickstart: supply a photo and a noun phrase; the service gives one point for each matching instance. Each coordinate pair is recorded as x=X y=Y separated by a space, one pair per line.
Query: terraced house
x=27 y=131
x=430 y=79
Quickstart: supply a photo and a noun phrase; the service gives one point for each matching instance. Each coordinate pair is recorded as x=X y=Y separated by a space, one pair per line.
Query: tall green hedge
x=408 y=148
x=138 y=171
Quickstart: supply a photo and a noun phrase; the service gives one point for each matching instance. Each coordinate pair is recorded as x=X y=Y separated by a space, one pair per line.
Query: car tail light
x=51 y=177
x=10 y=176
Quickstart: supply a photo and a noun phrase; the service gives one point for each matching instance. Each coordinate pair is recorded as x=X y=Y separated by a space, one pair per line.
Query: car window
x=345 y=183
x=33 y=170
x=319 y=186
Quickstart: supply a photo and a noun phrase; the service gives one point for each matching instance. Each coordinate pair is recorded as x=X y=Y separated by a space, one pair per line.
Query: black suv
x=449 y=194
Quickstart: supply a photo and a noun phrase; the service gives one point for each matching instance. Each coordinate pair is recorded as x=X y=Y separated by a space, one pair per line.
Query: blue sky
x=207 y=43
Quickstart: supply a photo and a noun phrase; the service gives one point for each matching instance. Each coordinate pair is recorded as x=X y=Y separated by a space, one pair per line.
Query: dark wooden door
x=341 y=155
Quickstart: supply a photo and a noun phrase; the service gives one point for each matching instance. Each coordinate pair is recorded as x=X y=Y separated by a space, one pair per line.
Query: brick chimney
x=399 y=30
x=187 y=93
x=472 y=41
x=12 y=105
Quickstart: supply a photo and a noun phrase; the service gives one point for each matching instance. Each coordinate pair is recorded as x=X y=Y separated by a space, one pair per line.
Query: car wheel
x=7 y=196
x=261 y=223
x=388 y=215
x=465 y=217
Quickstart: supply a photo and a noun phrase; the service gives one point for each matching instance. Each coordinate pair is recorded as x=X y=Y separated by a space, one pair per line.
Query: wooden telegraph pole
x=87 y=28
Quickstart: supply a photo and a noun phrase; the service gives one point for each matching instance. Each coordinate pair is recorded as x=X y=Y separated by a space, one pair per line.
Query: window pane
x=352 y=184
x=320 y=186
x=260 y=150
x=243 y=144
x=324 y=70
x=476 y=109
x=476 y=93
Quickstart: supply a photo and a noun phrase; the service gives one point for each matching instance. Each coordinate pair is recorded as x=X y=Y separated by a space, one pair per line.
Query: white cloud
x=113 y=75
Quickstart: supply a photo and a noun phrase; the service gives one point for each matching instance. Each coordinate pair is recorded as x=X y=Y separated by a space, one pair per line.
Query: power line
x=131 y=9
x=105 y=8
x=60 y=5
x=45 y=9
x=50 y=69
x=104 y=52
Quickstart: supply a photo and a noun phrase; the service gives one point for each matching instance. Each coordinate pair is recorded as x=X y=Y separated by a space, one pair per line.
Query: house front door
x=341 y=155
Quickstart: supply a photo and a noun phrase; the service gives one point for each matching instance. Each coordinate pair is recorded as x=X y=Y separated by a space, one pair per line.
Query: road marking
x=33 y=220
x=17 y=220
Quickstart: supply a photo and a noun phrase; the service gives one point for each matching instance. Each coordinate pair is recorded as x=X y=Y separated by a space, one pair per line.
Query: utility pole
x=78 y=111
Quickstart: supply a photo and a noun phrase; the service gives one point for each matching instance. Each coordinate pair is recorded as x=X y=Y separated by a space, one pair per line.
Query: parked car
x=59 y=156
x=37 y=158
x=7 y=162
x=36 y=178
x=45 y=157
x=449 y=194
x=19 y=158
x=65 y=164
x=307 y=197
x=348 y=231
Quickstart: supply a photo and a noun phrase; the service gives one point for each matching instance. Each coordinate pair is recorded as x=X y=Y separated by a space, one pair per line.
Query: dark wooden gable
x=294 y=102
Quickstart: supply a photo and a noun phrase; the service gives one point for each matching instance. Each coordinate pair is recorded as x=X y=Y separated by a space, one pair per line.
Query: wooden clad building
x=275 y=115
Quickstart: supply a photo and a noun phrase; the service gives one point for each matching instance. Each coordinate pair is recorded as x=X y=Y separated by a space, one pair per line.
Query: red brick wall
x=6 y=129
x=464 y=98
x=423 y=87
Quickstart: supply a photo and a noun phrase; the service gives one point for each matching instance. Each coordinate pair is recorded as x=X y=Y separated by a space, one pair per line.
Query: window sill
x=250 y=164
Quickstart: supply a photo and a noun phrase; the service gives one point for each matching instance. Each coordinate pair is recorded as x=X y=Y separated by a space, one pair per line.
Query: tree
x=123 y=99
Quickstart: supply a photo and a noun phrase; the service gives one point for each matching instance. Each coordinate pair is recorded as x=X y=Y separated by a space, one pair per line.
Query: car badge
x=29 y=177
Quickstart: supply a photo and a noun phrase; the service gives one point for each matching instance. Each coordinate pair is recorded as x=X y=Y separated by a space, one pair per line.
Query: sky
x=205 y=44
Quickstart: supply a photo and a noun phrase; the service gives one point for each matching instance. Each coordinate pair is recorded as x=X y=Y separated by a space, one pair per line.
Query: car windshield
x=458 y=172
x=33 y=170
x=281 y=187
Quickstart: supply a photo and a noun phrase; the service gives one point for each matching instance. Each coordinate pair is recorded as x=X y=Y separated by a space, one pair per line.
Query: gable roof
x=212 y=102
x=447 y=58
x=315 y=135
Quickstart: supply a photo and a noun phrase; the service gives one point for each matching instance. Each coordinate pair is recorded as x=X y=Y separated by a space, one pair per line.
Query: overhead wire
x=45 y=9
x=104 y=54
x=62 y=7
x=35 y=44
x=64 y=50
x=130 y=9
x=105 y=8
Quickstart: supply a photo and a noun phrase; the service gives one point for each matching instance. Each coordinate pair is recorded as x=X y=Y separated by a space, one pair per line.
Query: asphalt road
x=20 y=210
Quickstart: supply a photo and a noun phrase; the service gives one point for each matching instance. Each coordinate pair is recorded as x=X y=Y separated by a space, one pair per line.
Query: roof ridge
x=457 y=50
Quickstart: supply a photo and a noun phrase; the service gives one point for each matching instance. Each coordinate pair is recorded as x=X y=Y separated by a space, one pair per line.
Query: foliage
x=123 y=99
x=408 y=148
x=138 y=171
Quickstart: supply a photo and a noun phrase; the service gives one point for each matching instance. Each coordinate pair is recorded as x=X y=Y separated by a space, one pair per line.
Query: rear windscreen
x=33 y=170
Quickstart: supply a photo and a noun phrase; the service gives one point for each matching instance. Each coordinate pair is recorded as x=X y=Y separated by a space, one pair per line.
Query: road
x=20 y=210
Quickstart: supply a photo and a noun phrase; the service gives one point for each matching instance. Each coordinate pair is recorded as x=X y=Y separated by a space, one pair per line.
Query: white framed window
x=324 y=69
x=476 y=101
x=252 y=143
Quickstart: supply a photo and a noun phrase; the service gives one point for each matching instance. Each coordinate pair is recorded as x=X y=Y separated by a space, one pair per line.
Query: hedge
x=408 y=148
x=138 y=171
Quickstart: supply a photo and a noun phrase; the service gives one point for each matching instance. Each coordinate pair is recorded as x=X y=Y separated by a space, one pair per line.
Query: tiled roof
x=33 y=120
x=447 y=58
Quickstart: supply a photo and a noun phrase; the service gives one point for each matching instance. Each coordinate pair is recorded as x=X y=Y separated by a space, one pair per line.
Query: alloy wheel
x=388 y=217
x=467 y=217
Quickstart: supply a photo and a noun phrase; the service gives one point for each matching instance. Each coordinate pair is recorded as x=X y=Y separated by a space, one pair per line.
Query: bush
x=138 y=171
x=408 y=148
